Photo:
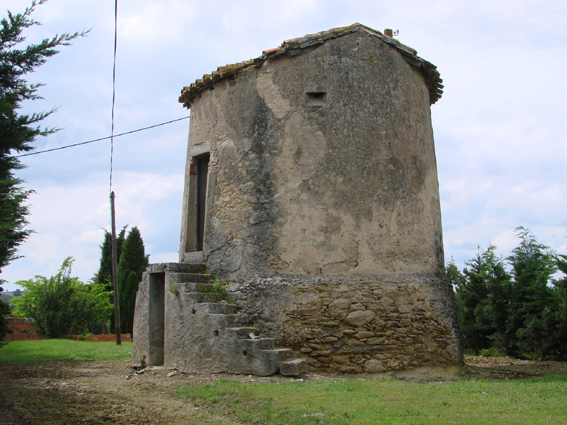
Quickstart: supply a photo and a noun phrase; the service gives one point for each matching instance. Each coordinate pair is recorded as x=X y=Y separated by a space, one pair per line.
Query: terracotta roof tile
x=300 y=45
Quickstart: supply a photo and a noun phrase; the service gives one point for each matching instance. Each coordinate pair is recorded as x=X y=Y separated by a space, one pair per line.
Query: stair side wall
x=141 y=328
x=200 y=335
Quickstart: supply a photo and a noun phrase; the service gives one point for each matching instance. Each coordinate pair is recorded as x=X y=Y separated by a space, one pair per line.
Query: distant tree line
x=513 y=305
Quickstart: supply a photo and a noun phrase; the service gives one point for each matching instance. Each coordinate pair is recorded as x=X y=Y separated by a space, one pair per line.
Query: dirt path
x=111 y=392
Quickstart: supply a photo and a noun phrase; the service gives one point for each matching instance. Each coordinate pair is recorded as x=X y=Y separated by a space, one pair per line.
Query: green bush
x=62 y=305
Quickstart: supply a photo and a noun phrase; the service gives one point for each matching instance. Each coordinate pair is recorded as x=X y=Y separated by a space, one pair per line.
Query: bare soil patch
x=63 y=392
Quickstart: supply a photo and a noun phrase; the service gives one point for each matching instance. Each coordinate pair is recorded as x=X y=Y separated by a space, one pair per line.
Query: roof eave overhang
x=309 y=42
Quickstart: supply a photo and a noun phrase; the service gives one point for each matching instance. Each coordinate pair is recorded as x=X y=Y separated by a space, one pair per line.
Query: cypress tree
x=533 y=264
x=133 y=262
x=104 y=274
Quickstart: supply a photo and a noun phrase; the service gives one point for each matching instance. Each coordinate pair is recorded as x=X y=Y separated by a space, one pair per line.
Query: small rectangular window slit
x=316 y=98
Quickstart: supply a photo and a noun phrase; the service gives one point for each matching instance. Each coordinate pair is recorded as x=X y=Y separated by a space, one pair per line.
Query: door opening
x=157 y=319
x=202 y=165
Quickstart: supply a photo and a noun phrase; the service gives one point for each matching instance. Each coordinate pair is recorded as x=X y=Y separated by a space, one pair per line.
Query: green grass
x=387 y=401
x=19 y=352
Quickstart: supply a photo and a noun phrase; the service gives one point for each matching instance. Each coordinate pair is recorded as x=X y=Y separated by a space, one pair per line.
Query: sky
x=500 y=127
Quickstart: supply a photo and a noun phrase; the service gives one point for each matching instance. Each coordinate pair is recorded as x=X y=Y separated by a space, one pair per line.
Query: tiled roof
x=303 y=44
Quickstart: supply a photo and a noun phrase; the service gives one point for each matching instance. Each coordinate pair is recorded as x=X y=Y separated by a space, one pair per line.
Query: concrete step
x=293 y=367
x=191 y=278
x=277 y=354
x=186 y=267
x=241 y=320
x=221 y=321
x=204 y=297
x=243 y=331
x=264 y=344
x=217 y=308
x=197 y=286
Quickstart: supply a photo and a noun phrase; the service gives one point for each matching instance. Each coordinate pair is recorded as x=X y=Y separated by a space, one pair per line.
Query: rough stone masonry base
x=356 y=323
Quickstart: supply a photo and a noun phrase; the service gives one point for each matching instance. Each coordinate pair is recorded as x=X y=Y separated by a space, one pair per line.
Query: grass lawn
x=387 y=401
x=19 y=352
x=354 y=401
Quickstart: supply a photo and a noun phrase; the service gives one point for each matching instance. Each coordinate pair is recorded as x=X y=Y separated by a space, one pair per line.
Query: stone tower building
x=311 y=188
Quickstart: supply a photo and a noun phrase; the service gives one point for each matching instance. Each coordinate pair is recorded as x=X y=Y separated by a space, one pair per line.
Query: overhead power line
x=113 y=92
x=481 y=16
x=502 y=54
x=498 y=47
x=102 y=138
x=487 y=24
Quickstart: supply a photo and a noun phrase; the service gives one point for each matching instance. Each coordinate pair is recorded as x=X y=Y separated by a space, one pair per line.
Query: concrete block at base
x=293 y=367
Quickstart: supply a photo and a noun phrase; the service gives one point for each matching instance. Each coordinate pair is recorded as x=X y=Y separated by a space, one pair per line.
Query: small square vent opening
x=316 y=98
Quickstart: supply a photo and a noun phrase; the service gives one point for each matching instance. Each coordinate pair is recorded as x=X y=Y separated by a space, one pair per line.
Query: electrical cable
x=112 y=136
x=496 y=47
x=481 y=16
x=502 y=54
x=102 y=138
x=113 y=88
x=484 y=25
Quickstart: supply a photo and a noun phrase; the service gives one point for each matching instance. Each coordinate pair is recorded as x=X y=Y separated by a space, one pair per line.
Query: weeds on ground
x=490 y=352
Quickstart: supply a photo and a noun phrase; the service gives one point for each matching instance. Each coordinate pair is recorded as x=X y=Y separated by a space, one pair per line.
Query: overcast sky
x=500 y=128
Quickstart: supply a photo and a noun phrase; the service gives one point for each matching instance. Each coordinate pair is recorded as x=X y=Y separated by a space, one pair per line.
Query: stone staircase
x=227 y=340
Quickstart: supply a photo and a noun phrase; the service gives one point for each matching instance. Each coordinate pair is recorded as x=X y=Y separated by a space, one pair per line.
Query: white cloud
x=500 y=127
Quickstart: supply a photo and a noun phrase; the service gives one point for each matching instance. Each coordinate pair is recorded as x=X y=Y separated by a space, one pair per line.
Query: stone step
x=241 y=319
x=225 y=321
x=264 y=344
x=277 y=354
x=186 y=267
x=293 y=367
x=243 y=331
x=204 y=297
x=191 y=278
x=197 y=286
x=222 y=322
x=217 y=308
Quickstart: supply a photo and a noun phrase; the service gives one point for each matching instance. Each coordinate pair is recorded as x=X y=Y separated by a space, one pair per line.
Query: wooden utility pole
x=115 y=272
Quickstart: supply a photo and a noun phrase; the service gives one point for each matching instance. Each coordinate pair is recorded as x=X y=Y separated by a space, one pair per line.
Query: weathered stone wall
x=323 y=204
x=321 y=163
x=356 y=323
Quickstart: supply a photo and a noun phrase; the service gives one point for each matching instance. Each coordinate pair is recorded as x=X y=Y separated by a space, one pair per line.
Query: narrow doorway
x=202 y=165
x=157 y=319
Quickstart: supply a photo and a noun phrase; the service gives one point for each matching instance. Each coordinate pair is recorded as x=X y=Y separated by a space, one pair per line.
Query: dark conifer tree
x=104 y=274
x=522 y=313
x=18 y=131
x=133 y=262
x=533 y=264
x=481 y=293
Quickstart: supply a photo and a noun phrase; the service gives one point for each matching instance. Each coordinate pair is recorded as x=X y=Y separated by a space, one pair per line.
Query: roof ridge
x=296 y=46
